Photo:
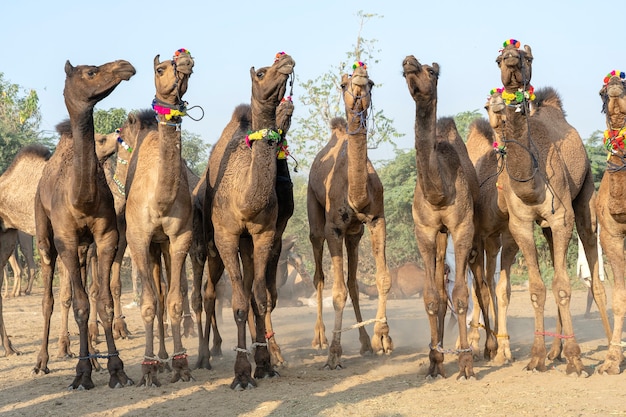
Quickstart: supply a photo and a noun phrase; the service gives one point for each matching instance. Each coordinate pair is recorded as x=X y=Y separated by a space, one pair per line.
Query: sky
x=572 y=50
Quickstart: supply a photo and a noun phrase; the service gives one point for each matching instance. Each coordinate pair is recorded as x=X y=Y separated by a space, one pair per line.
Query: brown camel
x=242 y=211
x=344 y=192
x=407 y=280
x=74 y=208
x=493 y=235
x=158 y=217
x=545 y=181
x=611 y=208
x=16 y=209
x=17 y=196
x=444 y=199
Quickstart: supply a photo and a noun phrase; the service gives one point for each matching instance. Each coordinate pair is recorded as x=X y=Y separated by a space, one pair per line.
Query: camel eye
x=91 y=73
x=159 y=71
x=260 y=74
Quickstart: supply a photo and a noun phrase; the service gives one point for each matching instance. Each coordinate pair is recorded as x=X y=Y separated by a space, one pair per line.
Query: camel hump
x=28 y=153
x=338 y=123
x=446 y=127
x=64 y=128
x=548 y=97
x=242 y=115
x=482 y=127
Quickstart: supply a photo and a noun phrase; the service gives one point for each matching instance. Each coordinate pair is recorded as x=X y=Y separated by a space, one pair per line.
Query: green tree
x=322 y=102
x=195 y=151
x=596 y=151
x=463 y=121
x=106 y=121
x=19 y=121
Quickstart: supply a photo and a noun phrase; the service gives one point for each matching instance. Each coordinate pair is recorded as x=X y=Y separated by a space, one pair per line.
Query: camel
x=244 y=211
x=158 y=217
x=407 y=280
x=483 y=144
x=17 y=196
x=444 y=199
x=611 y=208
x=74 y=208
x=344 y=192
x=545 y=181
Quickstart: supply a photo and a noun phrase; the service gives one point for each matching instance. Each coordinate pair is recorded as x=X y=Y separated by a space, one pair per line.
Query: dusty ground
x=368 y=386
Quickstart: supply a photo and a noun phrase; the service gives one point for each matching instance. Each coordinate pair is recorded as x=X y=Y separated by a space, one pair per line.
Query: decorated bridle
x=614 y=138
x=277 y=136
x=174 y=112
x=362 y=114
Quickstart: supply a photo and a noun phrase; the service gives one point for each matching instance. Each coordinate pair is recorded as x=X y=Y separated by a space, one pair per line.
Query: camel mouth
x=125 y=70
x=285 y=65
x=411 y=65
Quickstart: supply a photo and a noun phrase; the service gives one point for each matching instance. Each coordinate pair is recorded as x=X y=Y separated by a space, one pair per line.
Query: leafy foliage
x=322 y=102
x=106 y=121
x=19 y=121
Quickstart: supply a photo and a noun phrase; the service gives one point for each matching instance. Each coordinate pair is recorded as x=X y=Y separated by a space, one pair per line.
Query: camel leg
x=214 y=270
x=585 y=216
x=557 y=345
x=17 y=273
x=316 y=236
x=340 y=295
x=260 y=301
x=481 y=293
x=228 y=249
x=523 y=234
x=462 y=239
x=93 y=298
x=142 y=262
x=188 y=325
x=6 y=247
x=286 y=205
x=106 y=249
x=381 y=341
x=26 y=243
x=613 y=248
x=65 y=299
x=120 y=328
x=47 y=305
x=80 y=305
x=352 y=252
x=179 y=247
x=503 y=297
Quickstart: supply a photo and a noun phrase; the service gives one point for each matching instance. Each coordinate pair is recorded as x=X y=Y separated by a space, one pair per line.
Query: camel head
x=515 y=65
x=106 y=145
x=270 y=83
x=495 y=109
x=357 y=91
x=421 y=79
x=171 y=77
x=86 y=85
x=613 y=95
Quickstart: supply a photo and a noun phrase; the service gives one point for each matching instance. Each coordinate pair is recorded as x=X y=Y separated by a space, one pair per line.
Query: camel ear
x=132 y=118
x=68 y=67
x=436 y=69
x=252 y=72
x=156 y=61
x=528 y=51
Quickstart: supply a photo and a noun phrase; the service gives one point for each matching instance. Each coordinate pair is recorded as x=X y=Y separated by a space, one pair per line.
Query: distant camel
x=407 y=280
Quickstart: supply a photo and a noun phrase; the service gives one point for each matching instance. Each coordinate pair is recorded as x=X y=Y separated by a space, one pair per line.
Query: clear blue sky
x=575 y=44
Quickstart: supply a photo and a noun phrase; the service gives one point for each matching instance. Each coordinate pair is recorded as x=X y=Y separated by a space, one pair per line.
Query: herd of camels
x=523 y=166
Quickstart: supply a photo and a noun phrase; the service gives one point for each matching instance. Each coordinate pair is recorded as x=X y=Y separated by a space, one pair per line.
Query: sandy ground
x=392 y=385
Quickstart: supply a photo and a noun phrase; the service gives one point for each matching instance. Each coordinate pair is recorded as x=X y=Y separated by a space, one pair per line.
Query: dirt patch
x=392 y=385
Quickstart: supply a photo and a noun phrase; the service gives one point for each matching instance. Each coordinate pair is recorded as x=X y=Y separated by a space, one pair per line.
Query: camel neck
x=263 y=115
x=521 y=161
x=85 y=161
x=170 y=162
x=428 y=170
x=357 y=161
